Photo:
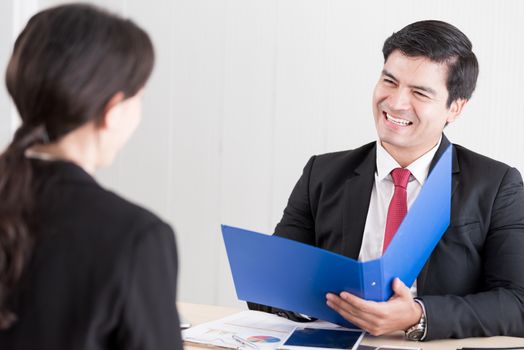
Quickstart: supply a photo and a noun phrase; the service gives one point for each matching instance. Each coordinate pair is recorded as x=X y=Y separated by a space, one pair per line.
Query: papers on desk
x=247 y=324
x=289 y=275
x=266 y=331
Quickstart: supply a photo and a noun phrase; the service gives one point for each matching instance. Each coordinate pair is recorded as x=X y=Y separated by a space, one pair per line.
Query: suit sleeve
x=298 y=222
x=498 y=309
x=149 y=316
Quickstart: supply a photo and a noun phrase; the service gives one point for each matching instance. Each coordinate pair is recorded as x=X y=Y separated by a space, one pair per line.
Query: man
x=348 y=202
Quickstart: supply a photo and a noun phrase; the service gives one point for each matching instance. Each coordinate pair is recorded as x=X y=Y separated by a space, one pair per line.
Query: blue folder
x=290 y=275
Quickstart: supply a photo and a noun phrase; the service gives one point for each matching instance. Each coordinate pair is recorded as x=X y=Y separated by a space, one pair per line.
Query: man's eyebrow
x=424 y=88
x=388 y=74
x=418 y=87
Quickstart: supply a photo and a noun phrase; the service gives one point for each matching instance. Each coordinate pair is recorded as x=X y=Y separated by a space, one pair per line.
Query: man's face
x=410 y=104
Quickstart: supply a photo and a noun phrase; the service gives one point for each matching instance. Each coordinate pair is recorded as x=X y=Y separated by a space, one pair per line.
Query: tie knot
x=400 y=177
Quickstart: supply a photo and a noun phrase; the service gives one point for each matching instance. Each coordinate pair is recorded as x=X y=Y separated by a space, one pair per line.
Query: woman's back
x=102 y=274
x=80 y=267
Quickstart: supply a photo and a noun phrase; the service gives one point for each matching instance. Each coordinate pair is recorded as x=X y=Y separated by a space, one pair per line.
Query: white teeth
x=397 y=121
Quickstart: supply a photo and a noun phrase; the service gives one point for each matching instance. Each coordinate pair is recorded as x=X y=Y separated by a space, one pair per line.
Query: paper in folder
x=293 y=276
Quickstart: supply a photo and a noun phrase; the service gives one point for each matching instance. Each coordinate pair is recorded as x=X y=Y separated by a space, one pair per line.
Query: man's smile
x=396 y=120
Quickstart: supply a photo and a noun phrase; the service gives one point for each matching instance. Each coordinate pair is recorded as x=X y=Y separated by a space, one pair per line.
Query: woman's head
x=74 y=67
x=69 y=62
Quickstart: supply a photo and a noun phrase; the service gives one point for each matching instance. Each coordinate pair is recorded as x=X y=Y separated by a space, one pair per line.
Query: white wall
x=245 y=91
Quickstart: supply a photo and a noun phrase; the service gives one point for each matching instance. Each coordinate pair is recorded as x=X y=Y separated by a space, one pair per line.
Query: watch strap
x=413 y=332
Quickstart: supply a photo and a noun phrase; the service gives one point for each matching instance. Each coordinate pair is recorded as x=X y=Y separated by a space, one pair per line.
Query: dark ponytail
x=16 y=203
x=67 y=64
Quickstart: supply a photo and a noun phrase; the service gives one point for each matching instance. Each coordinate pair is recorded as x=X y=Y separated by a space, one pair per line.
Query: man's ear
x=110 y=114
x=455 y=109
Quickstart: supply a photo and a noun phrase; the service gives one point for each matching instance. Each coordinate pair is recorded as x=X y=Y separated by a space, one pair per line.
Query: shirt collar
x=419 y=168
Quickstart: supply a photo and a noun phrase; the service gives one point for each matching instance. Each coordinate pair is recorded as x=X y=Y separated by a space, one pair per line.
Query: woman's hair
x=66 y=65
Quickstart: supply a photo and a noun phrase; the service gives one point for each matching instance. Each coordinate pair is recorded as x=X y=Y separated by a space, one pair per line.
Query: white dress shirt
x=382 y=193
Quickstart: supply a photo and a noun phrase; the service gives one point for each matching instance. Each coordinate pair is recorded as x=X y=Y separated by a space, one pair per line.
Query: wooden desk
x=197 y=314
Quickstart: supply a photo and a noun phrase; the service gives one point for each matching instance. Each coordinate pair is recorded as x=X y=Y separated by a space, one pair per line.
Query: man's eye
x=418 y=93
x=389 y=81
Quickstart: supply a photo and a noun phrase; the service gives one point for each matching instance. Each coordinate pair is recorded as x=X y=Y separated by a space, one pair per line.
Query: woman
x=80 y=267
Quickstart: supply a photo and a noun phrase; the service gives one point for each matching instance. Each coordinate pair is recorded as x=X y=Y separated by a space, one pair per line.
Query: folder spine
x=373 y=281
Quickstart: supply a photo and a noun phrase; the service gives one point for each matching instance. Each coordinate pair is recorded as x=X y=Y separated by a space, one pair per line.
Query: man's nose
x=399 y=100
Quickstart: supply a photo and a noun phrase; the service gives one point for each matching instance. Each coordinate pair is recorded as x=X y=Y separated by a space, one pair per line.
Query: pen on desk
x=244 y=341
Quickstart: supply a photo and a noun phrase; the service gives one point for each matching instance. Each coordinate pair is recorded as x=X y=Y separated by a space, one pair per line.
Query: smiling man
x=352 y=202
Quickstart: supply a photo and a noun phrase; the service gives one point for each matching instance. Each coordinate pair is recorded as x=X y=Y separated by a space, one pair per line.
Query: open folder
x=290 y=275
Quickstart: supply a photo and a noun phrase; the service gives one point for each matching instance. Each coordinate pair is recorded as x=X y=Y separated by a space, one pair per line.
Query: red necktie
x=398 y=207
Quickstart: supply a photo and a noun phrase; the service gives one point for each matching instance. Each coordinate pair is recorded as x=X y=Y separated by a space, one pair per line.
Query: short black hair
x=441 y=42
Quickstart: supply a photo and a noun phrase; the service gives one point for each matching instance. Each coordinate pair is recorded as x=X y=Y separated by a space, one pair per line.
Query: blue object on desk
x=293 y=276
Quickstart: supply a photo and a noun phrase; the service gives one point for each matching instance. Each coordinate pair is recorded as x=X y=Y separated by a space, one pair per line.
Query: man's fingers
x=360 y=323
x=360 y=306
x=338 y=304
x=371 y=317
x=400 y=288
x=354 y=306
x=377 y=317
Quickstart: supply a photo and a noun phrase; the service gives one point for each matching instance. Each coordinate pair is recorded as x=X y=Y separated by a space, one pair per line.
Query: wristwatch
x=418 y=331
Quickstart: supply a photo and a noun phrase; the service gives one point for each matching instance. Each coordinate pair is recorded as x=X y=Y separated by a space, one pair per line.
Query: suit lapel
x=421 y=279
x=357 y=195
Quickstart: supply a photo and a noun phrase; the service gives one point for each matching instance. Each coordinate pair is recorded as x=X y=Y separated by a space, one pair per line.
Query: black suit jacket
x=102 y=274
x=473 y=284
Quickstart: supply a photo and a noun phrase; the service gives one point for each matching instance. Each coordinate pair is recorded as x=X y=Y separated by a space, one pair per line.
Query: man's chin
x=398 y=145
x=397 y=141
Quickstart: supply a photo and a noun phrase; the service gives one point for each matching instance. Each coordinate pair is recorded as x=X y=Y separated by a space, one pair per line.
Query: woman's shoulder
x=69 y=196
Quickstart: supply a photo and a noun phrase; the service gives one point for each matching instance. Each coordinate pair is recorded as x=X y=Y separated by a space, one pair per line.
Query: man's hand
x=398 y=313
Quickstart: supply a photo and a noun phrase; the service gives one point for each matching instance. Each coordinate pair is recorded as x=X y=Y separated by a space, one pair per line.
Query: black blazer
x=102 y=275
x=473 y=284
